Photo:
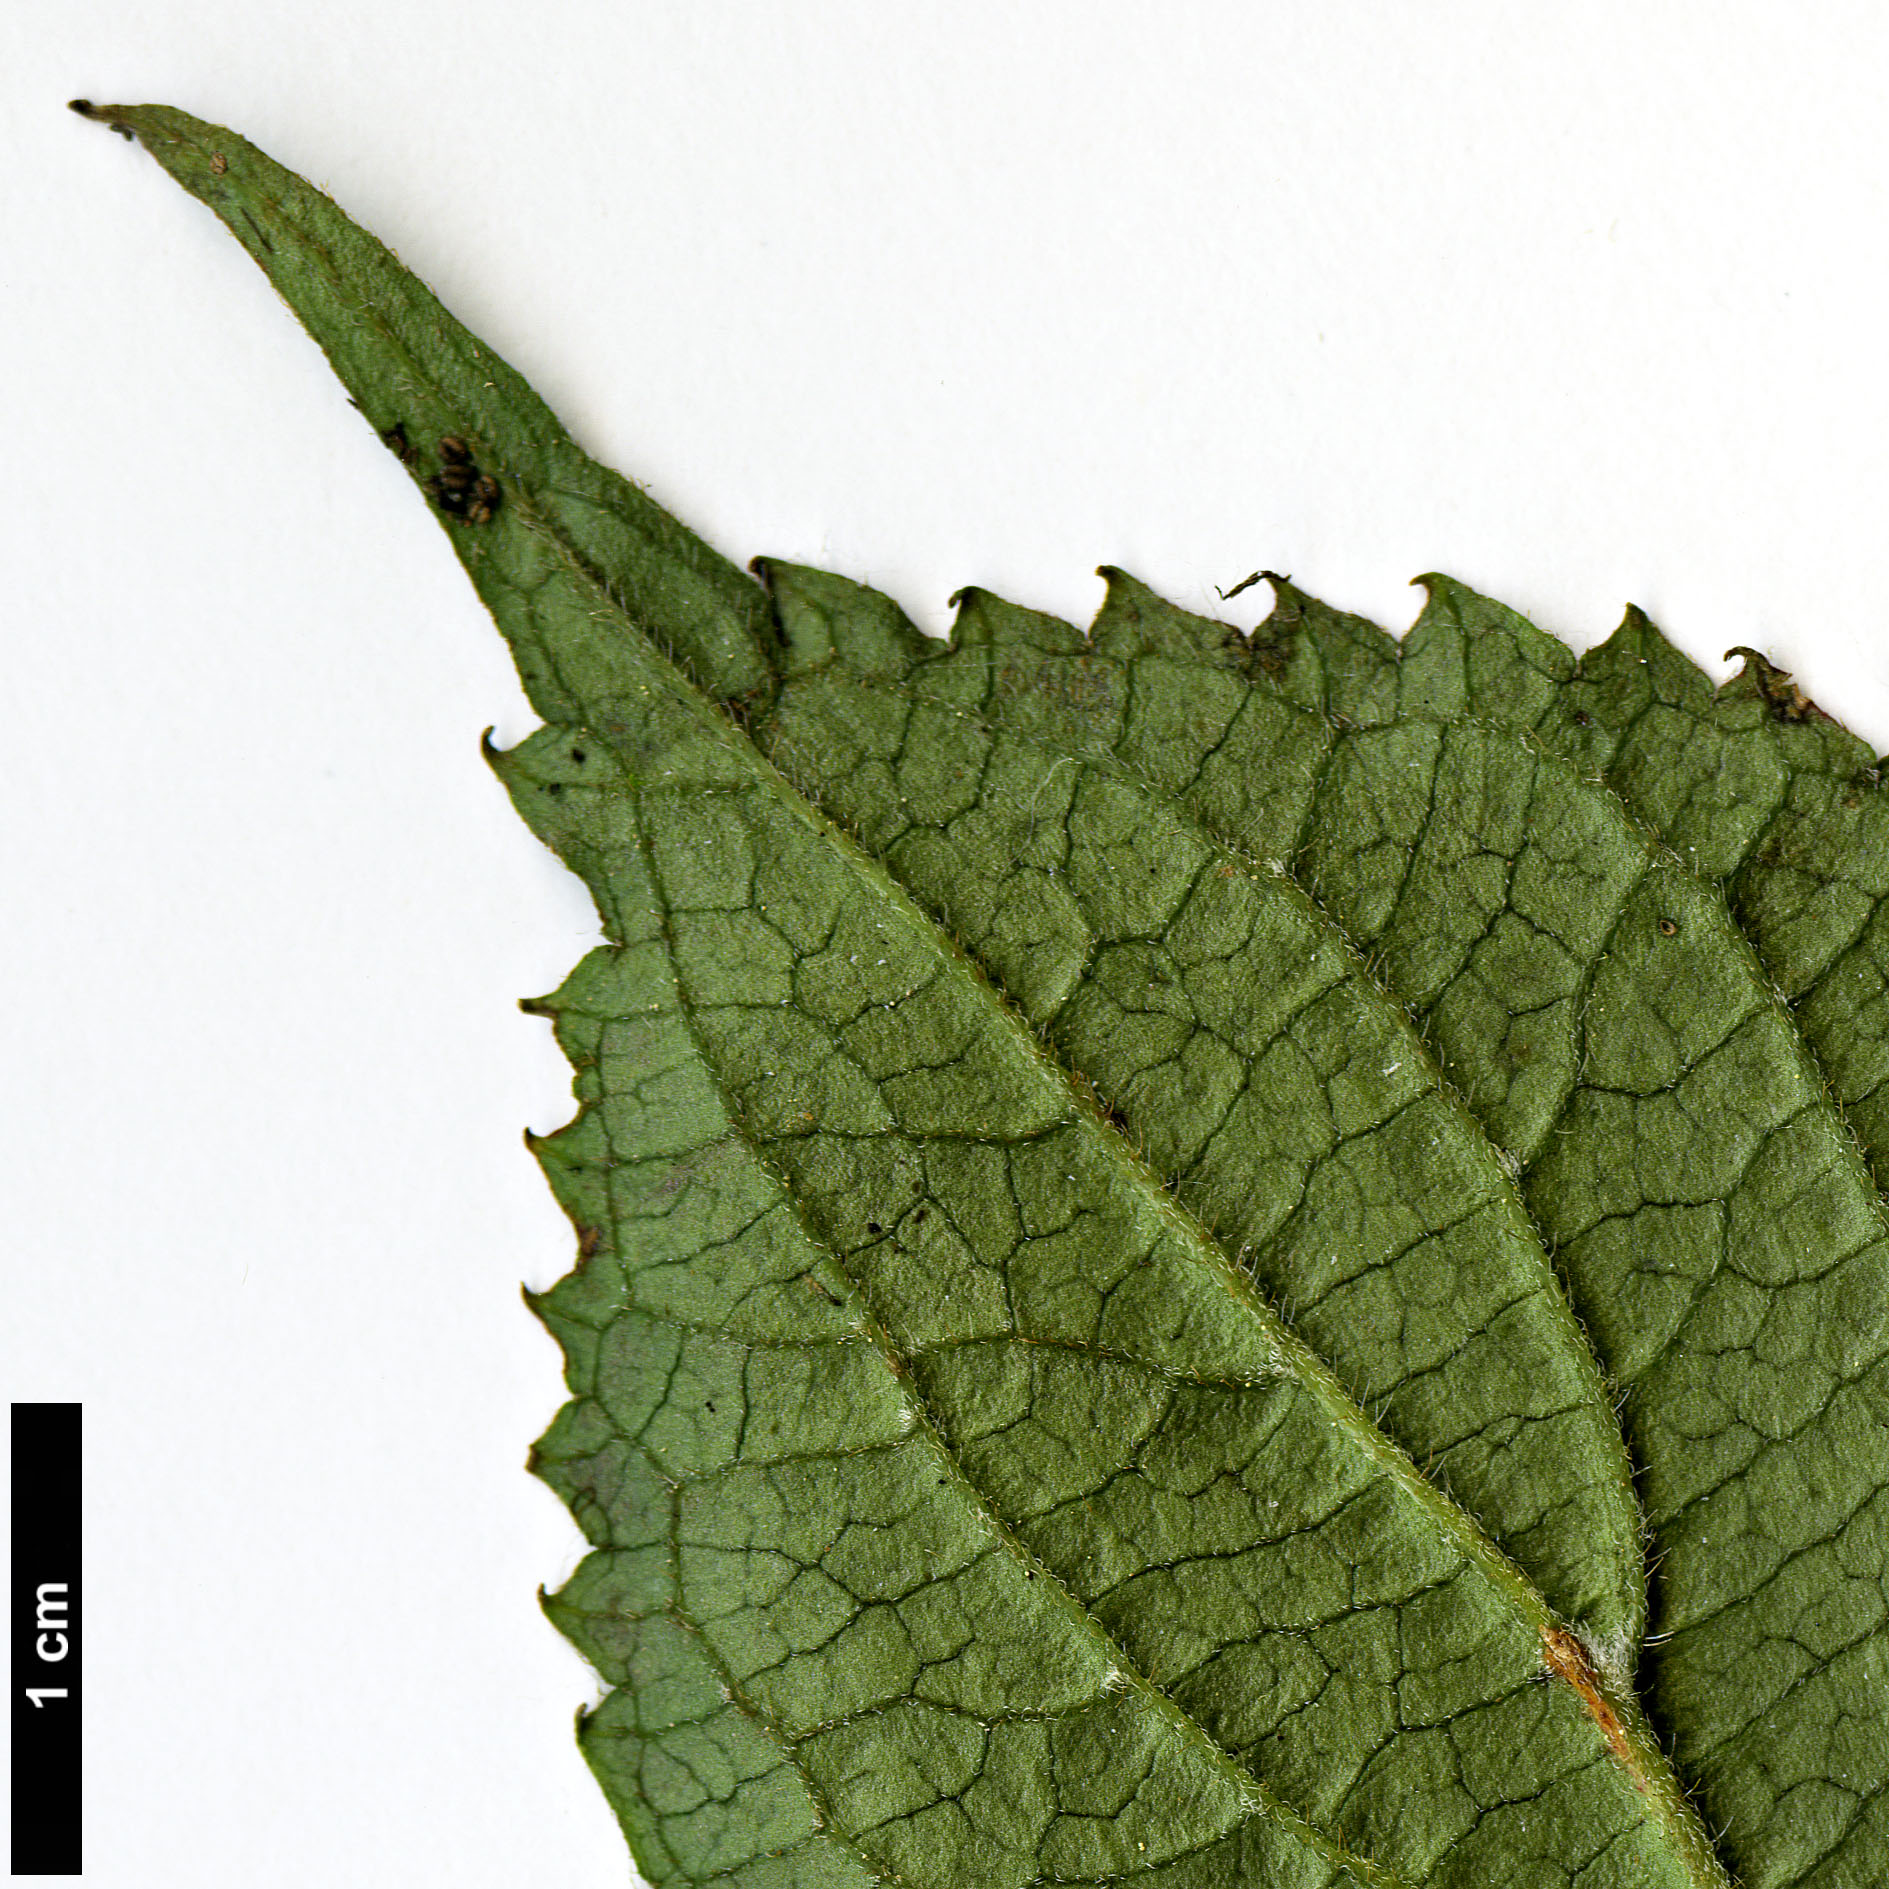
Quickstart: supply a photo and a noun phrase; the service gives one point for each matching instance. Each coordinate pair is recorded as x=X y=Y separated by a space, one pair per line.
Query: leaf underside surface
x=1204 y=1259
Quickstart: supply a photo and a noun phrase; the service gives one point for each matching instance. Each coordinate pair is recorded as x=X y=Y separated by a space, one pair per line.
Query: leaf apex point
x=112 y=117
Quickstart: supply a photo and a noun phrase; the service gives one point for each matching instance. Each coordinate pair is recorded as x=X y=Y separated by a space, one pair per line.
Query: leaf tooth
x=1134 y=621
x=825 y=618
x=985 y=620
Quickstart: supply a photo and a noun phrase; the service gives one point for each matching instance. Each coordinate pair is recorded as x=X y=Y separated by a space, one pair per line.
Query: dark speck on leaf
x=874 y=1228
x=1668 y=928
x=459 y=488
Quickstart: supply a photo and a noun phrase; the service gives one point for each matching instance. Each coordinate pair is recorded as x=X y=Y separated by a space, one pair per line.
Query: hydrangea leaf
x=989 y=1044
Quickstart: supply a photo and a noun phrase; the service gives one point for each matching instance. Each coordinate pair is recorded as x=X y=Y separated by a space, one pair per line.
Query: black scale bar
x=46 y=1624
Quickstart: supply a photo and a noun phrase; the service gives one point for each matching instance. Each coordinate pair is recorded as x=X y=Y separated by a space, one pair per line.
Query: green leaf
x=1126 y=1182
x=1246 y=1051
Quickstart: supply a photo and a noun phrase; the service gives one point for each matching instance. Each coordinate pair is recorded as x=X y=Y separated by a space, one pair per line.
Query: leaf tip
x=1441 y=587
x=110 y=116
x=1446 y=593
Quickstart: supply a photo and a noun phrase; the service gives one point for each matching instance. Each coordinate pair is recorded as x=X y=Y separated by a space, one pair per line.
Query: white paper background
x=1582 y=305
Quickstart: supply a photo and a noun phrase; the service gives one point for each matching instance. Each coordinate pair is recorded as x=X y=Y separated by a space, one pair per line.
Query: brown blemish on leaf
x=588 y=1240
x=1566 y=1658
x=1782 y=696
x=218 y=163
